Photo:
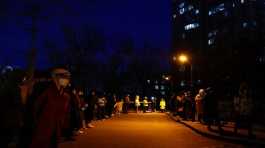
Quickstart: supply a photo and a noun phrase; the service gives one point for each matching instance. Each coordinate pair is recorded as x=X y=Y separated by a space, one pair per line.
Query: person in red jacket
x=49 y=111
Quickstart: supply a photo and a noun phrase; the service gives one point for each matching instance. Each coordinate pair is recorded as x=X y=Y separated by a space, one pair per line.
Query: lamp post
x=183 y=59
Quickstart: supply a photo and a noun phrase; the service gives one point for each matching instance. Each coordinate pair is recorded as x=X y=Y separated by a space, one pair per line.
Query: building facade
x=225 y=37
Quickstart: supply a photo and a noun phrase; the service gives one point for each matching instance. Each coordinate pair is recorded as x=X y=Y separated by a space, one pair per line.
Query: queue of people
x=47 y=111
x=205 y=108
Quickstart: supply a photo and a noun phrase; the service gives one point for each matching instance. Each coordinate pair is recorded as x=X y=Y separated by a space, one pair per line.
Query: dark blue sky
x=143 y=20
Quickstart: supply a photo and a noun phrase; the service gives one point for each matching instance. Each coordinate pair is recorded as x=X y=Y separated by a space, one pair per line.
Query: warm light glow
x=165 y=77
x=183 y=58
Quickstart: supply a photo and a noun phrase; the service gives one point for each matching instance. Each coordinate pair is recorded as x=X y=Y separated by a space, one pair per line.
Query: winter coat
x=102 y=101
x=145 y=103
x=49 y=111
x=163 y=104
x=118 y=106
x=137 y=103
x=199 y=104
x=243 y=105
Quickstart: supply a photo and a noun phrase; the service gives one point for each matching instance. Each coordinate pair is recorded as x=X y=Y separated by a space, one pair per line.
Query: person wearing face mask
x=243 y=104
x=50 y=110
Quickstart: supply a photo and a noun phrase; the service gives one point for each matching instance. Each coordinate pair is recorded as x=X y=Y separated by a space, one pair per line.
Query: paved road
x=150 y=130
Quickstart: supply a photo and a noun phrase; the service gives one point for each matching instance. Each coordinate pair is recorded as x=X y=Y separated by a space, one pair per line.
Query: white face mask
x=63 y=82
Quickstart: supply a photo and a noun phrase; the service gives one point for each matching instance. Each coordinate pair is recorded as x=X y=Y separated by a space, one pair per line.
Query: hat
x=201 y=91
x=60 y=72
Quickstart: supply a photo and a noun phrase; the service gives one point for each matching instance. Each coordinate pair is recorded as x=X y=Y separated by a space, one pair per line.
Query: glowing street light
x=167 y=78
x=183 y=58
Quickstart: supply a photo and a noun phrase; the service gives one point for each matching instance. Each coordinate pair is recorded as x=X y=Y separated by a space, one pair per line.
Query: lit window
x=191 y=26
x=217 y=9
x=162 y=87
x=254 y=23
x=242 y=1
x=233 y=5
x=220 y=8
x=226 y=13
x=197 y=11
x=181 y=5
x=210 y=41
x=183 y=35
x=260 y=59
x=174 y=15
x=190 y=7
x=182 y=83
x=182 y=11
x=245 y=24
x=156 y=87
x=210 y=34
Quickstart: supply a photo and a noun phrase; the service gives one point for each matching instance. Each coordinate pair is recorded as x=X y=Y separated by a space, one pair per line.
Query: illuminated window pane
x=183 y=35
x=245 y=24
x=191 y=26
x=182 y=11
x=210 y=34
x=181 y=5
x=190 y=7
x=210 y=41
x=254 y=23
x=217 y=9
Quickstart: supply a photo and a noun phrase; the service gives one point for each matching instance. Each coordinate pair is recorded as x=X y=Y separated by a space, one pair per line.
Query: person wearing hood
x=137 y=103
x=162 y=105
x=145 y=104
x=49 y=111
x=199 y=104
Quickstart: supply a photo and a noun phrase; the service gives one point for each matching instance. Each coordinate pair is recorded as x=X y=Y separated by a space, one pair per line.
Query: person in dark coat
x=10 y=108
x=49 y=111
x=28 y=120
x=91 y=101
x=126 y=104
x=110 y=104
x=243 y=103
x=187 y=106
x=211 y=115
x=72 y=118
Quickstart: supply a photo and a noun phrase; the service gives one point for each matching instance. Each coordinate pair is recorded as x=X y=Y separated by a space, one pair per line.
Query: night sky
x=143 y=20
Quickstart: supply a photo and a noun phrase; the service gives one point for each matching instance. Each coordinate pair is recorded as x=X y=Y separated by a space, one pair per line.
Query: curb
x=244 y=141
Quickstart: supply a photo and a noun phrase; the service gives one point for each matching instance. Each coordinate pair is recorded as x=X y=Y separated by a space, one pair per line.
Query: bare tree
x=30 y=15
x=55 y=55
x=82 y=46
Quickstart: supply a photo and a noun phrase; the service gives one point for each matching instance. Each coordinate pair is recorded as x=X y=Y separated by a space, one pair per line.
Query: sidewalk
x=241 y=137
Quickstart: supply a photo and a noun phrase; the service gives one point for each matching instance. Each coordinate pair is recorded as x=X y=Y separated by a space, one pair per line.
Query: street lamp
x=183 y=58
x=166 y=77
